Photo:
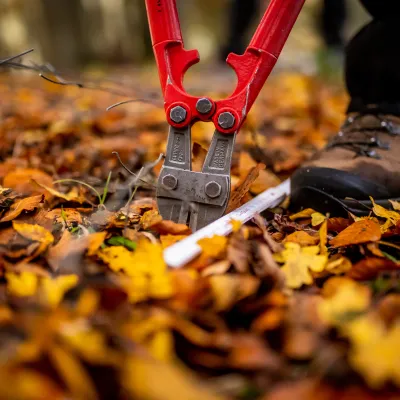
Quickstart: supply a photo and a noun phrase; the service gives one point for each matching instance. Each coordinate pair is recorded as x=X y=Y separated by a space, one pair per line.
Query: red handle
x=164 y=21
x=276 y=25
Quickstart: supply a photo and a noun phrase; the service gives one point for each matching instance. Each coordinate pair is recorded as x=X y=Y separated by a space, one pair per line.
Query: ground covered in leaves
x=289 y=306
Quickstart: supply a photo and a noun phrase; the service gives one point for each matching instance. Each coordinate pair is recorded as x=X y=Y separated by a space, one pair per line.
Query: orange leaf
x=153 y=220
x=370 y=268
x=27 y=204
x=21 y=180
x=364 y=231
x=240 y=192
x=302 y=238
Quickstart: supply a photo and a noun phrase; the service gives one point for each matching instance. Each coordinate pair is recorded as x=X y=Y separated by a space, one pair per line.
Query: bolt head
x=213 y=189
x=204 y=106
x=170 y=182
x=226 y=120
x=178 y=114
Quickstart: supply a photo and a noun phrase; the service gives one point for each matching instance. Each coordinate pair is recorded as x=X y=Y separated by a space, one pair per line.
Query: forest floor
x=289 y=306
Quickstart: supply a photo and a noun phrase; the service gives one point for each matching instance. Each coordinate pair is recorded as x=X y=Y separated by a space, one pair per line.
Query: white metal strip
x=181 y=253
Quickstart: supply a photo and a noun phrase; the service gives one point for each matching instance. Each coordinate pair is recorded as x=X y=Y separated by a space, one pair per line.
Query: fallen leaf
x=24 y=284
x=27 y=204
x=73 y=195
x=298 y=262
x=54 y=289
x=152 y=220
x=307 y=213
x=364 y=231
x=243 y=188
x=213 y=247
x=302 y=238
x=370 y=267
x=392 y=217
x=376 y=351
x=21 y=180
x=169 y=240
x=317 y=219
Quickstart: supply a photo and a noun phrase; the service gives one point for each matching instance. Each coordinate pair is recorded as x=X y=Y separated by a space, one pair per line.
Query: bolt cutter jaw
x=199 y=198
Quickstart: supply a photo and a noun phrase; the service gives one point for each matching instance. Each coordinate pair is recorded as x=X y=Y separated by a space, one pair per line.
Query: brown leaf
x=273 y=245
x=363 y=231
x=302 y=238
x=21 y=180
x=152 y=220
x=238 y=252
x=27 y=204
x=265 y=266
x=370 y=268
x=338 y=224
x=250 y=353
x=199 y=156
x=244 y=186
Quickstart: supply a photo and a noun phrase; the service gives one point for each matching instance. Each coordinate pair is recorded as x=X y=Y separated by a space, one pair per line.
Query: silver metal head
x=178 y=114
x=226 y=120
x=204 y=106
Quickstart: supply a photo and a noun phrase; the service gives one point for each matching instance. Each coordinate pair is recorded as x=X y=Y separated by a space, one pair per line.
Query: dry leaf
x=213 y=247
x=243 y=188
x=298 y=262
x=317 y=219
x=21 y=180
x=392 y=217
x=307 y=213
x=369 y=268
x=27 y=204
x=302 y=238
x=152 y=220
x=364 y=231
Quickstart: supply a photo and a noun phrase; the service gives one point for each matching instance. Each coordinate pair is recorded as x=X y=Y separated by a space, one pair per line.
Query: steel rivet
x=226 y=120
x=178 y=114
x=213 y=189
x=204 y=106
x=170 y=182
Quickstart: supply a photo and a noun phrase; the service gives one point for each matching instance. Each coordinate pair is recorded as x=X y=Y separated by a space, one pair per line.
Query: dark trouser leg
x=333 y=17
x=373 y=59
x=240 y=17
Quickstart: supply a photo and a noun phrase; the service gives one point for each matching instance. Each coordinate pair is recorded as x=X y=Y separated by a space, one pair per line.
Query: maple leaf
x=22 y=285
x=348 y=299
x=53 y=290
x=376 y=352
x=298 y=262
x=214 y=246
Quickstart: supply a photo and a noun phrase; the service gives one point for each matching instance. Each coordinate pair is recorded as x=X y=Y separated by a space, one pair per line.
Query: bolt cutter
x=199 y=198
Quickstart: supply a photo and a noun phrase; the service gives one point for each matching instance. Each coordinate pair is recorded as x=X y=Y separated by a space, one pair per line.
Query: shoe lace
x=364 y=141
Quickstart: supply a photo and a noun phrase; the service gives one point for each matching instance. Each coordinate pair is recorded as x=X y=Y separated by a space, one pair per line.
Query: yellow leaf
x=73 y=195
x=323 y=237
x=349 y=299
x=307 y=213
x=214 y=246
x=317 y=218
x=392 y=217
x=117 y=257
x=95 y=241
x=161 y=345
x=72 y=372
x=147 y=274
x=337 y=265
x=169 y=240
x=23 y=284
x=144 y=378
x=53 y=290
x=298 y=262
x=395 y=205
x=35 y=233
x=236 y=225
x=376 y=351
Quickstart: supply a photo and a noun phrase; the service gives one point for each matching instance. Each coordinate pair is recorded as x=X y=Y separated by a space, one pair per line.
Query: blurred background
x=72 y=34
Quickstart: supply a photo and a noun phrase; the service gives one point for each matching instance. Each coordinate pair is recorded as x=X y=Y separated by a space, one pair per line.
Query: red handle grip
x=276 y=25
x=164 y=21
